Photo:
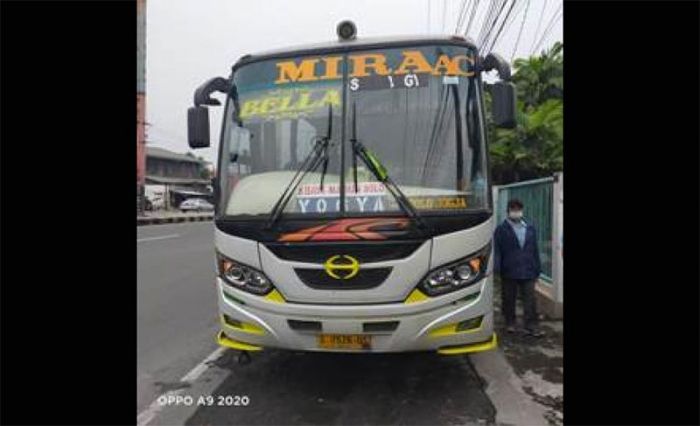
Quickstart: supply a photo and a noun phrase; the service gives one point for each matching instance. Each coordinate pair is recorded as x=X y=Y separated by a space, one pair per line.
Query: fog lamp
x=469 y=324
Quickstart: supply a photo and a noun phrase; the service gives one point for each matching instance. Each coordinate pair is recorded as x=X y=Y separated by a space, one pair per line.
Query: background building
x=176 y=176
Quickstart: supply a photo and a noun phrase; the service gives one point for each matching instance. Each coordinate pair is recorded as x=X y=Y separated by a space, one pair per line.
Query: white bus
x=353 y=207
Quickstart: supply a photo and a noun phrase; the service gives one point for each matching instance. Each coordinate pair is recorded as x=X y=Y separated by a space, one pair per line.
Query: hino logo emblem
x=348 y=267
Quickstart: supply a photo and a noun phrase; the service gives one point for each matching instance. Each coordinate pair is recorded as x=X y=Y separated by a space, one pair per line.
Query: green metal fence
x=536 y=195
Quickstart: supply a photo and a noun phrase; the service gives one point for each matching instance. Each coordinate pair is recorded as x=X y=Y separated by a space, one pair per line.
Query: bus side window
x=239 y=156
x=240 y=150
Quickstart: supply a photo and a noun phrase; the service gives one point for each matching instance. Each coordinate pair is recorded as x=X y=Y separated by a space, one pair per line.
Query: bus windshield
x=416 y=110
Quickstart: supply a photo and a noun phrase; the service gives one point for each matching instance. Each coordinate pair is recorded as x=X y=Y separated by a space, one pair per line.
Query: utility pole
x=140 y=106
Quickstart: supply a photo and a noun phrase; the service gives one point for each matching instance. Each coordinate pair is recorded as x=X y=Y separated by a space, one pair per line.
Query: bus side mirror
x=198 y=115
x=198 y=127
x=503 y=106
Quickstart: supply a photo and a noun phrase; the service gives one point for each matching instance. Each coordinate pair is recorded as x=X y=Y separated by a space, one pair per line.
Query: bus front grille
x=365 y=278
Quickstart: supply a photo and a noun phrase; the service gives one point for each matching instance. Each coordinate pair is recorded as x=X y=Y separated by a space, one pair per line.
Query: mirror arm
x=202 y=96
x=493 y=61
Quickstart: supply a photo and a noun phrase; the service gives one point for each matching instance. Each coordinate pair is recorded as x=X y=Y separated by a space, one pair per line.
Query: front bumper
x=415 y=325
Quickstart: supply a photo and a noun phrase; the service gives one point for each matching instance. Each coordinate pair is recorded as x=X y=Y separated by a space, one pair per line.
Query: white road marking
x=162 y=237
x=149 y=413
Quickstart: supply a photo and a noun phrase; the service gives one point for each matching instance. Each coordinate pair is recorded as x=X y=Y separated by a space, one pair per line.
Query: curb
x=505 y=389
x=141 y=221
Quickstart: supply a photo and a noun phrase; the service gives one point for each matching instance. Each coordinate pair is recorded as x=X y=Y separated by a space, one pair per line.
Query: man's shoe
x=510 y=329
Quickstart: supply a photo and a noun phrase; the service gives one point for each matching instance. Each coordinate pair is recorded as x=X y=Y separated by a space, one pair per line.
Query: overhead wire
x=471 y=18
x=539 y=23
x=552 y=22
x=485 y=22
x=518 y=8
x=494 y=21
x=506 y=24
x=547 y=34
x=437 y=126
x=460 y=16
x=434 y=132
x=495 y=39
x=510 y=19
x=520 y=33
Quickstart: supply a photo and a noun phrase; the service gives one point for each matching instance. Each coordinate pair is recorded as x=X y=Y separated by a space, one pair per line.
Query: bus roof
x=358 y=43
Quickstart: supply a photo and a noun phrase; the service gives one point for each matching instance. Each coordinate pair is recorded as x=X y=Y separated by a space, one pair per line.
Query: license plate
x=345 y=341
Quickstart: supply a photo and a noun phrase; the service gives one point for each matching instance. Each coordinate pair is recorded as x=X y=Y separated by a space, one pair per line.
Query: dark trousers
x=509 y=292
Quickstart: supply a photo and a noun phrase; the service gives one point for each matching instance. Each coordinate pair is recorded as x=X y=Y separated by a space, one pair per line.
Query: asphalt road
x=329 y=389
x=177 y=356
x=176 y=304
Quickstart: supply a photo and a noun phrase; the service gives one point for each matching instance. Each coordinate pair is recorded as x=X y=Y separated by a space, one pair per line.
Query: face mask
x=515 y=214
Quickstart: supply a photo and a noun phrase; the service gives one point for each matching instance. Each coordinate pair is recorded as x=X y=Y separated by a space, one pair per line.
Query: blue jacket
x=511 y=261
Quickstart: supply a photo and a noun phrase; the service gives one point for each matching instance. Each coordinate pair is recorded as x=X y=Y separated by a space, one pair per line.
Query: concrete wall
x=558 y=229
x=551 y=297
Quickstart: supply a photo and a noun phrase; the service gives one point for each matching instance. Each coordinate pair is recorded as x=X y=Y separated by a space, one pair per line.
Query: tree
x=535 y=147
x=205 y=173
x=539 y=78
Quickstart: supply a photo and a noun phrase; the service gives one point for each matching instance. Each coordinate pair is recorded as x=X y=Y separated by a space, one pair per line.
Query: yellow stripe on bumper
x=416 y=296
x=228 y=342
x=275 y=296
x=471 y=348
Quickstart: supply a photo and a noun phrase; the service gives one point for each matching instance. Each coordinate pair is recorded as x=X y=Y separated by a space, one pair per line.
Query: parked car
x=154 y=204
x=158 y=203
x=197 y=205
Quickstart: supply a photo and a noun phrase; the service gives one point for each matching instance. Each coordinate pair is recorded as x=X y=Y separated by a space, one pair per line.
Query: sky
x=188 y=42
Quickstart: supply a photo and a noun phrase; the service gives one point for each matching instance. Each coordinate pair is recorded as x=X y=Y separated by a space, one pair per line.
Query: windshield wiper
x=379 y=171
x=318 y=154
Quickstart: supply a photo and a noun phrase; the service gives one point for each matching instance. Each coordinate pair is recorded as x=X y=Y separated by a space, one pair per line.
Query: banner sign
x=369 y=198
x=364 y=65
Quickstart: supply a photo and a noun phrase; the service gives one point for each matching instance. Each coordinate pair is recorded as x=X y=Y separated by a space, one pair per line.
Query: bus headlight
x=456 y=275
x=242 y=277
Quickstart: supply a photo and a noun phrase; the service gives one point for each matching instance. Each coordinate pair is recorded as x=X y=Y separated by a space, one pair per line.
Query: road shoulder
x=506 y=390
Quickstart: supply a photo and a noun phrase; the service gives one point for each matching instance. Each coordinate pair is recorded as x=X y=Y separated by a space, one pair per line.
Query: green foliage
x=539 y=78
x=535 y=147
x=205 y=173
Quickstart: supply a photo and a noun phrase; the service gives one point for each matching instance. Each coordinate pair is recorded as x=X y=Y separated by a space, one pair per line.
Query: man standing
x=517 y=261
